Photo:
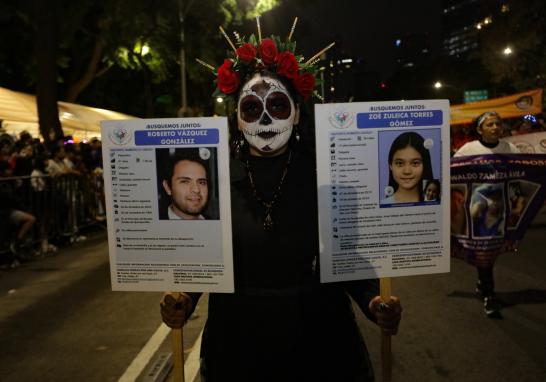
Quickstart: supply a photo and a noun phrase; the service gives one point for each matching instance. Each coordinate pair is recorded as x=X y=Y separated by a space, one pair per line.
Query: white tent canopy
x=18 y=112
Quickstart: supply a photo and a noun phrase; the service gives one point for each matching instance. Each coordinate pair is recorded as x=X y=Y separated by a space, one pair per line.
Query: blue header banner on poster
x=176 y=137
x=399 y=119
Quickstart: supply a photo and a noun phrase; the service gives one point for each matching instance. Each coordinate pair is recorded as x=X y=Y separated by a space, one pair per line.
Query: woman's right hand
x=175 y=308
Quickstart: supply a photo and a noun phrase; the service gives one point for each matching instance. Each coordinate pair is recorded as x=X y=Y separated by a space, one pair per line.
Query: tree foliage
x=123 y=54
x=523 y=29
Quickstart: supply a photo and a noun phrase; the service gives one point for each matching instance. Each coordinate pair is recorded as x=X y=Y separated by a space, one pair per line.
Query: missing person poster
x=383 y=188
x=168 y=204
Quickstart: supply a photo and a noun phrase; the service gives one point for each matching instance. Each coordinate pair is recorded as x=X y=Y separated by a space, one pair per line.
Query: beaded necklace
x=268 y=204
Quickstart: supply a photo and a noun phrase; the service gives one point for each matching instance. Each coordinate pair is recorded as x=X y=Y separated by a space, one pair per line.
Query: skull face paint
x=266 y=115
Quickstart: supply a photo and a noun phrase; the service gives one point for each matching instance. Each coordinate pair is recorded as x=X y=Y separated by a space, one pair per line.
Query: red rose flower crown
x=271 y=54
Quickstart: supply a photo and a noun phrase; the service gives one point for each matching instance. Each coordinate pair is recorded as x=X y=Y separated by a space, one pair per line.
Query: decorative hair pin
x=272 y=54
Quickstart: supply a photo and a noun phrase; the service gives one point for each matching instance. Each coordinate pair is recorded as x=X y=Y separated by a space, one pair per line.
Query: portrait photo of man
x=185 y=184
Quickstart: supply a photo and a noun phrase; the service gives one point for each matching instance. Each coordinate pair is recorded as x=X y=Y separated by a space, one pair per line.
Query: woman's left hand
x=388 y=314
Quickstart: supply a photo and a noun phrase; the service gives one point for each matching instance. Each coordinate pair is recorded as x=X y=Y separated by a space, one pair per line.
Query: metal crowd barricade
x=63 y=206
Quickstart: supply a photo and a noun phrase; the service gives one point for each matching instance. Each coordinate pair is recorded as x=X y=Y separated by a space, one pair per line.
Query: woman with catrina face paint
x=281 y=324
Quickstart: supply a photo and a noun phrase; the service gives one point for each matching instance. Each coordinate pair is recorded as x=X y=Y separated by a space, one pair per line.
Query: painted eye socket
x=251 y=108
x=278 y=105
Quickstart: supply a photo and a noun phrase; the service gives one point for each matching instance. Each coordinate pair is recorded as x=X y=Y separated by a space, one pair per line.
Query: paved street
x=445 y=336
x=60 y=321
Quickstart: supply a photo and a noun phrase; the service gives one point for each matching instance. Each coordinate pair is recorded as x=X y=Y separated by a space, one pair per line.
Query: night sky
x=368 y=29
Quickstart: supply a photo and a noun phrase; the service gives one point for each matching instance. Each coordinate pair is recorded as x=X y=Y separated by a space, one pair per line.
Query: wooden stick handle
x=178 y=355
x=386 y=365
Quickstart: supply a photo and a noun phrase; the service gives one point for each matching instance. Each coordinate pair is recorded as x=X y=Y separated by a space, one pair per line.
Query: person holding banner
x=486 y=210
x=490 y=129
x=281 y=323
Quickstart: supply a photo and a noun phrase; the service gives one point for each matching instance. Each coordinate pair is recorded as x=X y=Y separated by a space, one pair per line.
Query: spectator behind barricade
x=89 y=160
x=61 y=193
x=18 y=220
x=23 y=160
x=42 y=207
x=96 y=154
x=56 y=165
x=69 y=159
x=5 y=149
x=25 y=138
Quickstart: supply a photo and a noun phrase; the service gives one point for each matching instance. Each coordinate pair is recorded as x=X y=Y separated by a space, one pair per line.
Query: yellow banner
x=515 y=105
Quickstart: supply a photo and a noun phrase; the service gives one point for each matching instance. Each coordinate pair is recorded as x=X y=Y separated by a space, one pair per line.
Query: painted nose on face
x=266 y=120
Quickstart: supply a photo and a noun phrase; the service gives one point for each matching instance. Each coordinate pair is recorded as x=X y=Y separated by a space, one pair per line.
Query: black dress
x=281 y=324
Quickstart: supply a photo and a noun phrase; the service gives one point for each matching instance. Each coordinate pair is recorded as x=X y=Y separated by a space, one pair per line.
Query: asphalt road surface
x=60 y=321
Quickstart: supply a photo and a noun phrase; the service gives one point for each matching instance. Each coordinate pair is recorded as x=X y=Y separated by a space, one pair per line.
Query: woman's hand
x=175 y=308
x=388 y=314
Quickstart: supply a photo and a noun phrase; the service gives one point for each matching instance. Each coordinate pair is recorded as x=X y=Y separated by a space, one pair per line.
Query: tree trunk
x=92 y=71
x=46 y=66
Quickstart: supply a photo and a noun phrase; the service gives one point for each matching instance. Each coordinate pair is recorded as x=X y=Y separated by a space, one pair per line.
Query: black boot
x=486 y=289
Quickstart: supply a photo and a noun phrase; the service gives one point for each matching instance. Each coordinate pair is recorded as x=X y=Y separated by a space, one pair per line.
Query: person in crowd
x=432 y=190
x=23 y=160
x=95 y=154
x=19 y=221
x=64 y=192
x=70 y=159
x=187 y=186
x=55 y=165
x=489 y=128
x=279 y=306
x=409 y=166
x=40 y=187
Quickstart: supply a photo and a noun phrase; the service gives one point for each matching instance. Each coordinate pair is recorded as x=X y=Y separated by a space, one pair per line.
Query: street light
x=507 y=51
x=438 y=85
x=182 y=12
x=145 y=50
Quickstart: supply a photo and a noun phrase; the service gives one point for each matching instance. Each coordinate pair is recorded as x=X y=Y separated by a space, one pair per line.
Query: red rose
x=268 y=51
x=304 y=84
x=246 y=52
x=287 y=65
x=228 y=80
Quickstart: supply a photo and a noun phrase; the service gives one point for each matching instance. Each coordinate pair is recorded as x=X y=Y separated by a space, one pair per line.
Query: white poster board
x=371 y=222
x=168 y=204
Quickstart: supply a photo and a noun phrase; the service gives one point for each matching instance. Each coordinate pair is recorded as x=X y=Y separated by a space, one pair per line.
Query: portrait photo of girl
x=432 y=190
x=410 y=167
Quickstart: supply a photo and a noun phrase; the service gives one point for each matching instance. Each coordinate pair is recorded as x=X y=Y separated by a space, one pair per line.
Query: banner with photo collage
x=494 y=199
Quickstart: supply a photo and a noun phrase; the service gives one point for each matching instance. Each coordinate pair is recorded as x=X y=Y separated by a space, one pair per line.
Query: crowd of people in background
x=463 y=133
x=48 y=194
